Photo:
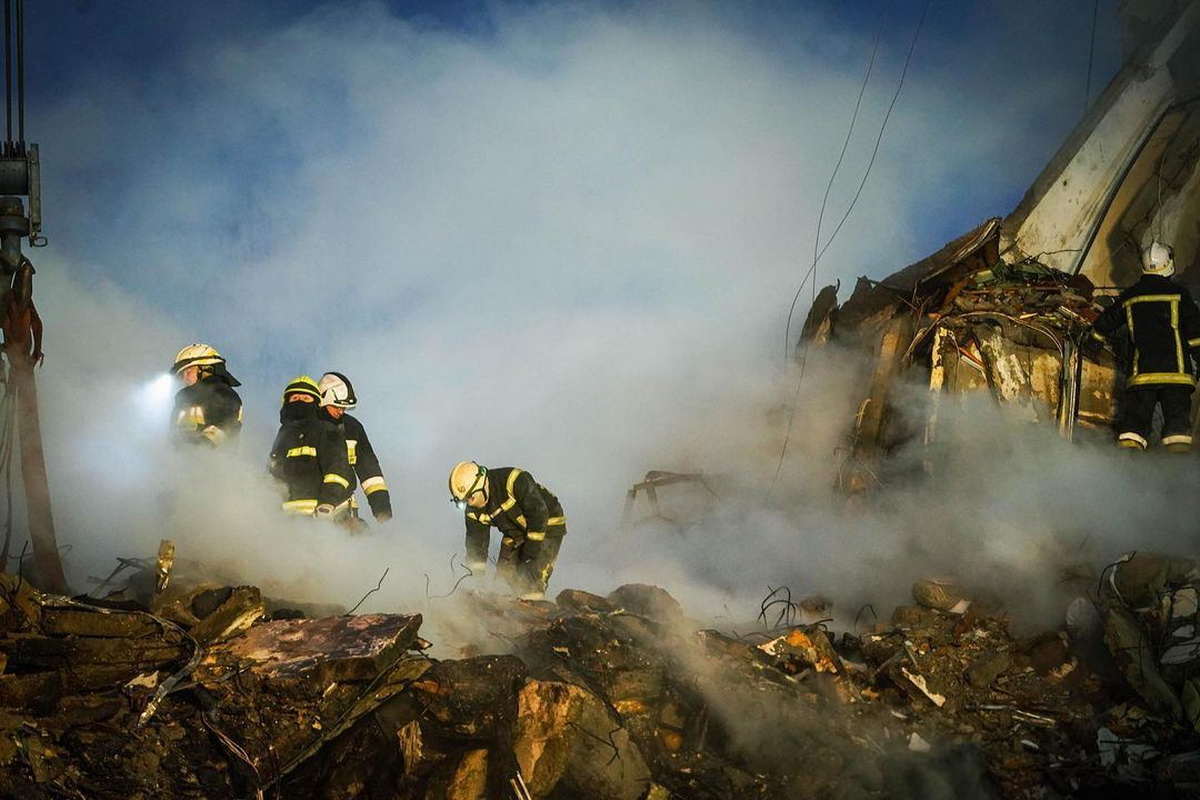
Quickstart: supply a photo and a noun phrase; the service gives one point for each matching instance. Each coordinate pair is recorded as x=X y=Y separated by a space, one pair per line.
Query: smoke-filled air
x=560 y=236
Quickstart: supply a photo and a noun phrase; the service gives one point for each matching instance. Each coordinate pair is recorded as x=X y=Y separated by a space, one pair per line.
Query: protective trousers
x=528 y=576
x=1138 y=417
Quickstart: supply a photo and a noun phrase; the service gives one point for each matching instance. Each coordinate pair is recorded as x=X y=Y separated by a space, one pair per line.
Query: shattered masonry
x=212 y=695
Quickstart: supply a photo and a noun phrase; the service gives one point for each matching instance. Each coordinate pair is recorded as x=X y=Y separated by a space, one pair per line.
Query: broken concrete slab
x=320 y=650
x=575 y=600
x=221 y=619
x=984 y=670
x=941 y=594
x=566 y=739
x=649 y=602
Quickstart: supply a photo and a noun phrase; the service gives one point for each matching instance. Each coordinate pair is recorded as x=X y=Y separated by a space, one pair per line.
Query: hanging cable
x=7 y=75
x=21 y=76
x=812 y=271
x=787 y=340
x=878 y=139
x=8 y=424
x=1087 y=94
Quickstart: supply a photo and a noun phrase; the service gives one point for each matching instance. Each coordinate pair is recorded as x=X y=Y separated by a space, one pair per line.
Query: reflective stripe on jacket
x=209 y=411
x=365 y=466
x=1163 y=323
x=309 y=459
x=518 y=506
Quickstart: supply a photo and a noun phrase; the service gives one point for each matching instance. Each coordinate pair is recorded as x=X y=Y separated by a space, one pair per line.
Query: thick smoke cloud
x=565 y=241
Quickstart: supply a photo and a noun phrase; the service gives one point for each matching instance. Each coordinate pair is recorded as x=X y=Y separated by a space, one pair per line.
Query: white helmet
x=1158 y=259
x=336 y=390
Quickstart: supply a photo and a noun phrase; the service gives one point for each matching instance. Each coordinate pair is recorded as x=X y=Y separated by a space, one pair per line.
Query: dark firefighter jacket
x=365 y=465
x=1164 y=325
x=520 y=508
x=209 y=410
x=309 y=458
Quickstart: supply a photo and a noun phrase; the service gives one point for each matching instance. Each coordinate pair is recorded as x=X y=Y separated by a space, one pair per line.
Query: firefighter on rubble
x=207 y=409
x=337 y=395
x=1164 y=325
x=529 y=517
x=309 y=455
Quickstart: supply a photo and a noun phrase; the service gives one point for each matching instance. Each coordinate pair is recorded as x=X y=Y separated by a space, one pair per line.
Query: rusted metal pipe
x=13 y=226
x=33 y=475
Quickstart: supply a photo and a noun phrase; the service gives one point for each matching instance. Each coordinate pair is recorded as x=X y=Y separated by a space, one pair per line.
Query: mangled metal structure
x=1002 y=308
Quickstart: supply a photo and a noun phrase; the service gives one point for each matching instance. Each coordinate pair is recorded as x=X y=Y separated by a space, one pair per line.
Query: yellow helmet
x=196 y=355
x=302 y=384
x=466 y=479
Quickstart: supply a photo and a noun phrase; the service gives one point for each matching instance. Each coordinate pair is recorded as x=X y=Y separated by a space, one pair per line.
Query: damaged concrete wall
x=1056 y=221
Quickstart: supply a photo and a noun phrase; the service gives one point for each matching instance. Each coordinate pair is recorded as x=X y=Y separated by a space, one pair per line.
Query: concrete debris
x=985 y=670
x=923 y=685
x=614 y=697
x=918 y=744
x=941 y=594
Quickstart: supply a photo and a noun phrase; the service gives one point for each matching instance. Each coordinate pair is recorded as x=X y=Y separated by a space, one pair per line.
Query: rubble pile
x=206 y=693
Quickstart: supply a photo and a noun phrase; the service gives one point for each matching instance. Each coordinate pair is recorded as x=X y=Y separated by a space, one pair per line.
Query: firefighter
x=1164 y=325
x=309 y=455
x=529 y=517
x=337 y=395
x=207 y=409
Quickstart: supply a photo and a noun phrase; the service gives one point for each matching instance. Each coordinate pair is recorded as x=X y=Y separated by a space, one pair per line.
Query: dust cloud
x=565 y=243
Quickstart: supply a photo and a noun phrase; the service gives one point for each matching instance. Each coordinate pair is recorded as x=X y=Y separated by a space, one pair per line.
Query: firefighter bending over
x=1164 y=326
x=529 y=517
x=309 y=455
x=337 y=395
x=207 y=409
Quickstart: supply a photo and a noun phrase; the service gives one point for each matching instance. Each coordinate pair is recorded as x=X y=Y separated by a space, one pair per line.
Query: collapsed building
x=202 y=690
x=1002 y=309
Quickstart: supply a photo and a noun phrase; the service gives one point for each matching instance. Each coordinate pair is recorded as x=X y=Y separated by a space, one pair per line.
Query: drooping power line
x=812 y=271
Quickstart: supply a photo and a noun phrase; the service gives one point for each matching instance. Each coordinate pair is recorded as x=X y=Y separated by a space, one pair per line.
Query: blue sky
x=544 y=233
x=973 y=59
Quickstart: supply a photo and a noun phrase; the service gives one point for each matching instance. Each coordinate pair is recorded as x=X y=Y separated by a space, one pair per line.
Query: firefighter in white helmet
x=207 y=409
x=337 y=396
x=528 y=515
x=1163 y=322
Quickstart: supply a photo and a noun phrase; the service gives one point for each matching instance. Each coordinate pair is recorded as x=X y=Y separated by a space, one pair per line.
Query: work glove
x=381 y=504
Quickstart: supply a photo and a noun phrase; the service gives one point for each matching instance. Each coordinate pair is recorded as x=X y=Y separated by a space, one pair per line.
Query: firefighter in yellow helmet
x=309 y=455
x=207 y=409
x=529 y=517
x=1163 y=322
